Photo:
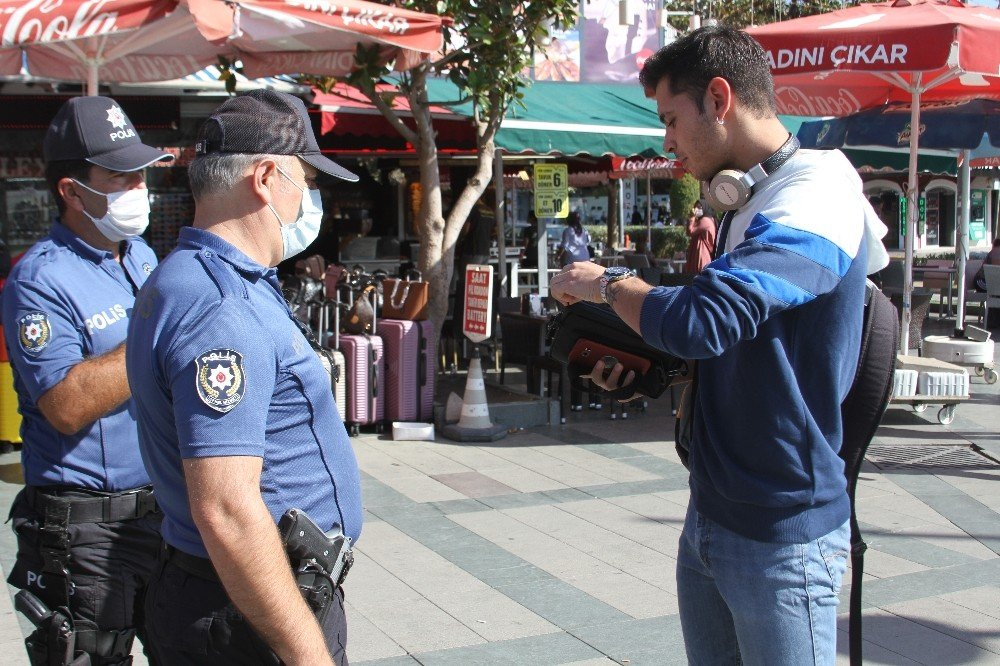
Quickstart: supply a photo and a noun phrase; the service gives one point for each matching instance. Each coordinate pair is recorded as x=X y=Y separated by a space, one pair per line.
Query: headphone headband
x=730 y=189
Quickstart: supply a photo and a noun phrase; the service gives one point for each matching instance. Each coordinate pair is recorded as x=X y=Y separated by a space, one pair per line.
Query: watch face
x=615 y=271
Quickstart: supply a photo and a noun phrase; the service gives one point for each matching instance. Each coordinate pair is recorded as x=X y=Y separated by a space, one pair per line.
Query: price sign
x=476 y=320
x=551 y=190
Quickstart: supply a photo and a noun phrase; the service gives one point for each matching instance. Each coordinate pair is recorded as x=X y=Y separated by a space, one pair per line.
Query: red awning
x=346 y=113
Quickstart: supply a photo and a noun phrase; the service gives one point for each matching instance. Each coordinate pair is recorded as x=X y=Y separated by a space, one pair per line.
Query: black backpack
x=861 y=412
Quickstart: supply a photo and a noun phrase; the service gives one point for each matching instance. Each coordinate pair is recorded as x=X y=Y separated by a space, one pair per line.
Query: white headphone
x=731 y=188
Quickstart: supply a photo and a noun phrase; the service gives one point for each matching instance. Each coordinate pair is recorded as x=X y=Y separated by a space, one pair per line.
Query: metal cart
x=920 y=403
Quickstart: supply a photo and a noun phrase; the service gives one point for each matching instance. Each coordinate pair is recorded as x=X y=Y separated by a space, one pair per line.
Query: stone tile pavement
x=557 y=544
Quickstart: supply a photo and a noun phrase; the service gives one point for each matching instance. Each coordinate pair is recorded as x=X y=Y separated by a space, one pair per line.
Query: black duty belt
x=194 y=565
x=99 y=508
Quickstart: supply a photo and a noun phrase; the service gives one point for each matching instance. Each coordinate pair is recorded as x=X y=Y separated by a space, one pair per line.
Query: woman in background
x=575 y=240
x=701 y=229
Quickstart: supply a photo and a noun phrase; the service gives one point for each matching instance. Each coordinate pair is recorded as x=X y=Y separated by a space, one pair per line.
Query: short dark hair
x=716 y=50
x=59 y=169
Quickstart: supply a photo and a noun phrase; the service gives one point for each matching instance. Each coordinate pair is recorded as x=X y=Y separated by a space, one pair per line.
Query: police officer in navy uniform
x=86 y=522
x=237 y=421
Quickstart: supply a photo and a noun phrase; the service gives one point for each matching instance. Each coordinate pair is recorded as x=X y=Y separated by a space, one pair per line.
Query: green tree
x=488 y=46
x=684 y=192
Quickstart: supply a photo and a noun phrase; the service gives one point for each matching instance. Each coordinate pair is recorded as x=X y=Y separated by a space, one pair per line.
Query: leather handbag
x=405 y=299
x=585 y=333
x=361 y=316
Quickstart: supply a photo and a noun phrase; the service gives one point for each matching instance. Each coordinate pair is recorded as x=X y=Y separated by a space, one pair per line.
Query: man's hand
x=577 y=282
x=582 y=282
x=611 y=379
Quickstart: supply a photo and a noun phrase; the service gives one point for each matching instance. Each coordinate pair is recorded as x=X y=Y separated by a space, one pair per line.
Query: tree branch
x=390 y=114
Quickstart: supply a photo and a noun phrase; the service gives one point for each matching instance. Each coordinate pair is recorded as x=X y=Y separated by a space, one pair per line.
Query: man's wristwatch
x=613 y=274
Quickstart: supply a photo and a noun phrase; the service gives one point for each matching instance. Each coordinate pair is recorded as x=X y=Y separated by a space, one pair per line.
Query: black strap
x=74 y=510
x=861 y=413
x=723 y=234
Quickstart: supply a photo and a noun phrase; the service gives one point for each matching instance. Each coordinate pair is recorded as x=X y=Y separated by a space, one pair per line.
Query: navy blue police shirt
x=64 y=302
x=218 y=367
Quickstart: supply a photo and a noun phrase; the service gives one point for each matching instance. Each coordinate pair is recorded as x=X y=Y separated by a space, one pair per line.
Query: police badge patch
x=219 y=379
x=34 y=332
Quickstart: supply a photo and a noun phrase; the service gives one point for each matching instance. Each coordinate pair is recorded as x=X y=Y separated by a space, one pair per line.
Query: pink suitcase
x=409 y=369
x=365 y=360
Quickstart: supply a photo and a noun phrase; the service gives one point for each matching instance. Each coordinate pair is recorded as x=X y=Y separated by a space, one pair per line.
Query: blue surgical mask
x=300 y=234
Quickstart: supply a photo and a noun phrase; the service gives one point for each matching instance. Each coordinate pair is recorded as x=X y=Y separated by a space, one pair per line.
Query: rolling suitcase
x=409 y=369
x=365 y=361
x=329 y=339
x=364 y=358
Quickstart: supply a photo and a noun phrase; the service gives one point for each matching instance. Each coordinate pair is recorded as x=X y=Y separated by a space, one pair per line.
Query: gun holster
x=320 y=561
x=53 y=642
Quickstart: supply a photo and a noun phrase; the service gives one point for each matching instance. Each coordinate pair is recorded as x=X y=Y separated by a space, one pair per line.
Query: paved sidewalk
x=557 y=545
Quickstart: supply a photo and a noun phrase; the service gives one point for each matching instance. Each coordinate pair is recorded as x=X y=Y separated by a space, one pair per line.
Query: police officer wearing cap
x=237 y=422
x=86 y=522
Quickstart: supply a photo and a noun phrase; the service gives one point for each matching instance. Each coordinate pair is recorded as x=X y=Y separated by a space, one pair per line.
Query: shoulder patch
x=34 y=332
x=219 y=379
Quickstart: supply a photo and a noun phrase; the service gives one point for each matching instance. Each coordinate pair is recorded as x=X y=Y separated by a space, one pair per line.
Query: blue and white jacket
x=776 y=325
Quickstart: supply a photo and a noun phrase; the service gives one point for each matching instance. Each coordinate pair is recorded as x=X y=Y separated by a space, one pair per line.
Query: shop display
x=169 y=211
x=27 y=212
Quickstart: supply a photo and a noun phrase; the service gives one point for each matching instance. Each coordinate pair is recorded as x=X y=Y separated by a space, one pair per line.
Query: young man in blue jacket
x=775 y=324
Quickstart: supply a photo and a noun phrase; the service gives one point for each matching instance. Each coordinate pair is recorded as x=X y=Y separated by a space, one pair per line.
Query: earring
x=720 y=121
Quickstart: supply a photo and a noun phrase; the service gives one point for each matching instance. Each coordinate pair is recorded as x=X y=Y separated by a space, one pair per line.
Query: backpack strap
x=861 y=412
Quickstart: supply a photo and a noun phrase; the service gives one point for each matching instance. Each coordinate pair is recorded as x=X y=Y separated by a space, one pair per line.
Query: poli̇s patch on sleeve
x=219 y=379
x=34 y=332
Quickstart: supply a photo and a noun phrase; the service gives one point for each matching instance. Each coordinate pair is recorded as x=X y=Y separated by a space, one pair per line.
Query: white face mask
x=127 y=216
x=300 y=234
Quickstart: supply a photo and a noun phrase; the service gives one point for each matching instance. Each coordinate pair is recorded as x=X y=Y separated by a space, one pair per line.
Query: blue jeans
x=749 y=602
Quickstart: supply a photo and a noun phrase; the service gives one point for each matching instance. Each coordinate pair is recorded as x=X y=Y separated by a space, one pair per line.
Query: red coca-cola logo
x=648 y=164
x=796 y=102
x=43 y=21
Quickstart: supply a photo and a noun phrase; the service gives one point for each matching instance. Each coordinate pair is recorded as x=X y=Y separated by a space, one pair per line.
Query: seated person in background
x=530 y=251
x=575 y=240
x=993 y=259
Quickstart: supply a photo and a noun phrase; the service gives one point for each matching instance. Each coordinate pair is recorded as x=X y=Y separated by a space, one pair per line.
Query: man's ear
x=262 y=178
x=719 y=99
x=70 y=193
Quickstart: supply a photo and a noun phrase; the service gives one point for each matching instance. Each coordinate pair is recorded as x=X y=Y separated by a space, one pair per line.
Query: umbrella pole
x=649 y=214
x=91 y=78
x=962 y=242
x=912 y=215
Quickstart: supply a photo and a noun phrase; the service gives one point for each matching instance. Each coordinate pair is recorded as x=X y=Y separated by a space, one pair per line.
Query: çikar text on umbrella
x=842 y=54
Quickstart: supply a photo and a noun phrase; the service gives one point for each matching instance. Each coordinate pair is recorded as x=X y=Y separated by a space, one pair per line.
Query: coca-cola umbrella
x=133 y=41
x=967 y=128
x=915 y=51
